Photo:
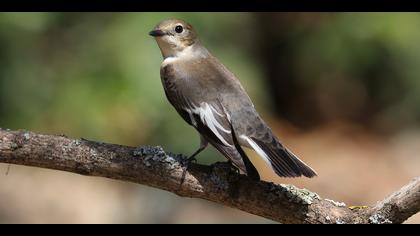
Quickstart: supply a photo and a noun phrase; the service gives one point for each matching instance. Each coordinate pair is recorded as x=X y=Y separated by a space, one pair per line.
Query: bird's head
x=174 y=36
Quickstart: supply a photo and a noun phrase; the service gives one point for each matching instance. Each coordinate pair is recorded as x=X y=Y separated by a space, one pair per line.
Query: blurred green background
x=341 y=89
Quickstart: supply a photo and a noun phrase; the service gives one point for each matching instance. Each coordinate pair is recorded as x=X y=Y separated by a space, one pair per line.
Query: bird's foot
x=187 y=161
x=233 y=167
x=227 y=166
x=191 y=159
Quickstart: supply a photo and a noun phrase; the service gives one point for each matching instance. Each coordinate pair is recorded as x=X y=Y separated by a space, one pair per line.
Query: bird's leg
x=203 y=144
x=233 y=167
x=192 y=157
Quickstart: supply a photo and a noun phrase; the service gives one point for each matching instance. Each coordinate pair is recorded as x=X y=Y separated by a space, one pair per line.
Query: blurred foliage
x=358 y=67
x=96 y=75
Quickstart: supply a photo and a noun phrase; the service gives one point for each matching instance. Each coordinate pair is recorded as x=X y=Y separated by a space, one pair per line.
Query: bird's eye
x=179 y=29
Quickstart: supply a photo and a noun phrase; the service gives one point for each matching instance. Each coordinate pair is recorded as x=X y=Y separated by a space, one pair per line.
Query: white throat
x=187 y=53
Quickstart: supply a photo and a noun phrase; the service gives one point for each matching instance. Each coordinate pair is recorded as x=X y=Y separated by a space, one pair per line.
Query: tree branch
x=217 y=183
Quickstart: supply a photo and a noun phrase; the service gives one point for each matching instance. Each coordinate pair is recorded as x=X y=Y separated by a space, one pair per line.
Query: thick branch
x=217 y=183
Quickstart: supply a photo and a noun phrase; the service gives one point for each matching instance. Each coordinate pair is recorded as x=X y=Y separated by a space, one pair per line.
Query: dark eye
x=179 y=29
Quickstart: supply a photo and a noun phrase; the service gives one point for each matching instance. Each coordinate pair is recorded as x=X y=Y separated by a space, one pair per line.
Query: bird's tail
x=283 y=161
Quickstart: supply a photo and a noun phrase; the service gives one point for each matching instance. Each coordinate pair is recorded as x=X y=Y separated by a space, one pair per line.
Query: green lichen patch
x=26 y=136
x=296 y=195
x=358 y=207
x=68 y=147
x=340 y=222
x=149 y=151
x=14 y=146
x=337 y=204
x=379 y=219
x=152 y=154
x=76 y=142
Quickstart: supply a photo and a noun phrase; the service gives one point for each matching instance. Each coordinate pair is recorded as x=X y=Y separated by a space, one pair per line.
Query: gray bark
x=217 y=183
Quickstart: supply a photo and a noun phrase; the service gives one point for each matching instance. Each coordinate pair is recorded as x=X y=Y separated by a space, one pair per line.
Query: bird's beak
x=157 y=33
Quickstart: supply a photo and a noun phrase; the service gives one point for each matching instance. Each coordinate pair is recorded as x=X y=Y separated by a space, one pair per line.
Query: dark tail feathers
x=284 y=162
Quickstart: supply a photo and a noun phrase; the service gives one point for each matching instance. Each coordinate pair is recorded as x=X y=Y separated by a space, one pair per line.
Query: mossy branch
x=217 y=183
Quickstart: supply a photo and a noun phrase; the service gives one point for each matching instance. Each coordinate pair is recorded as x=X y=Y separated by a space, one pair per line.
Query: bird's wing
x=254 y=133
x=213 y=124
x=206 y=114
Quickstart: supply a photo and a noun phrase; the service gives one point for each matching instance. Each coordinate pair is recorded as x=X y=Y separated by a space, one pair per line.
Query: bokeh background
x=342 y=90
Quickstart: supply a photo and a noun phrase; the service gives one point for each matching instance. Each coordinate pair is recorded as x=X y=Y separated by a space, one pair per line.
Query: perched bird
x=210 y=98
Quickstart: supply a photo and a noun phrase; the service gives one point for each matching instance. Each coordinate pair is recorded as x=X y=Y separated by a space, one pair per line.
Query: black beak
x=156 y=33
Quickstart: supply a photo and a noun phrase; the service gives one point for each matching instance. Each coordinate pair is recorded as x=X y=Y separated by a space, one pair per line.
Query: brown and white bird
x=210 y=98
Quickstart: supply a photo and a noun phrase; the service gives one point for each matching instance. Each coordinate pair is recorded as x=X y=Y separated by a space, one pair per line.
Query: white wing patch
x=257 y=149
x=207 y=115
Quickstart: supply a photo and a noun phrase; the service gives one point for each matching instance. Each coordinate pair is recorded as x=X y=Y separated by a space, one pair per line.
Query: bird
x=211 y=98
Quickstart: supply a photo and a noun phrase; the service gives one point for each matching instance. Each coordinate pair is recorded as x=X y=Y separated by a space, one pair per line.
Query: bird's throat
x=188 y=53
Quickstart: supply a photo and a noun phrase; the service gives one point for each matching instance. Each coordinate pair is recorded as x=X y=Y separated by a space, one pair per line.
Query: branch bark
x=217 y=183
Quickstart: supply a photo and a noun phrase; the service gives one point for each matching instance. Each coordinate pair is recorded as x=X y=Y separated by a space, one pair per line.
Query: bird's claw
x=191 y=160
x=186 y=162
